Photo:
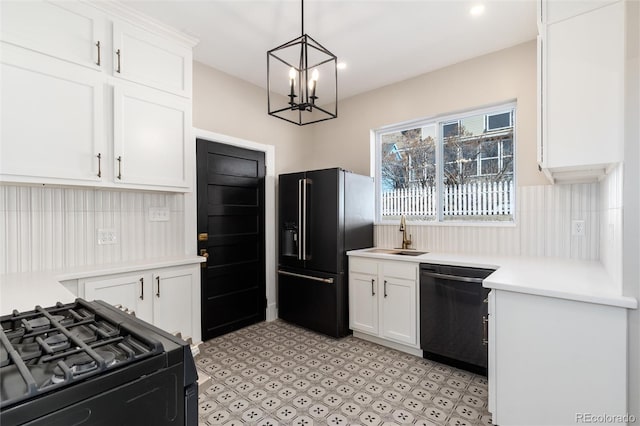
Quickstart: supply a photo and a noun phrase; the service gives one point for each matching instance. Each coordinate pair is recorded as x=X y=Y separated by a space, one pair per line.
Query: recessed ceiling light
x=477 y=10
x=341 y=65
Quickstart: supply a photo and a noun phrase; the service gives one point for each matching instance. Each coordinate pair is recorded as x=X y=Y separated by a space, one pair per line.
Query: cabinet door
x=66 y=30
x=151 y=130
x=132 y=292
x=557 y=10
x=173 y=307
x=398 y=310
x=583 y=89
x=491 y=368
x=363 y=303
x=52 y=114
x=152 y=60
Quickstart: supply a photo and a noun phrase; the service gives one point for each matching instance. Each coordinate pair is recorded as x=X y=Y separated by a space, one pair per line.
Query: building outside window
x=451 y=169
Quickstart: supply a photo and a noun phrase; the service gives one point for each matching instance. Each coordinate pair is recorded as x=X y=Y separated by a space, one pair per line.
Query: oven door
x=157 y=399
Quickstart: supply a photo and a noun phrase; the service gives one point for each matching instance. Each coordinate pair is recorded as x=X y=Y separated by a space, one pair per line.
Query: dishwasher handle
x=452 y=277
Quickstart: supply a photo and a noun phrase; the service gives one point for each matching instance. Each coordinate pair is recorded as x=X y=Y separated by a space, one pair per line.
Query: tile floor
x=276 y=373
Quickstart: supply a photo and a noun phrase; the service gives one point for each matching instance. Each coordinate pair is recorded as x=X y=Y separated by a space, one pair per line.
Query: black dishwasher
x=453 y=315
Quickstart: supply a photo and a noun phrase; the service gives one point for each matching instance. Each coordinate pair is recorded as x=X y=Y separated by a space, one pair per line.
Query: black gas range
x=88 y=363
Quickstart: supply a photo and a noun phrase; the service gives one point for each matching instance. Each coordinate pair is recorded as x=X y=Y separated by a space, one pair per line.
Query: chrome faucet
x=403 y=228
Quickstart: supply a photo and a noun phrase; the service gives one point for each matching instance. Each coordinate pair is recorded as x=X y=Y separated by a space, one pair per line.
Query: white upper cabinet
x=52 y=119
x=66 y=30
x=151 y=133
x=61 y=62
x=581 y=94
x=149 y=59
x=557 y=10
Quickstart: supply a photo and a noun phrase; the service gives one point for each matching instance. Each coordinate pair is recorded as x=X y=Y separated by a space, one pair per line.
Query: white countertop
x=585 y=281
x=23 y=291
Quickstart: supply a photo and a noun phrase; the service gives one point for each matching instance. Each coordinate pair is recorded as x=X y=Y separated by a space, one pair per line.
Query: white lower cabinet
x=383 y=301
x=173 y=300
x=167 y=298
x=555 y=361
x=133 y=292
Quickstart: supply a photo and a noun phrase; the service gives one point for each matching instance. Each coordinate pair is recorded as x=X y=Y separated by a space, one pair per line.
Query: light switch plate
x=577 y=228
x=107 y=236
x=158 y=214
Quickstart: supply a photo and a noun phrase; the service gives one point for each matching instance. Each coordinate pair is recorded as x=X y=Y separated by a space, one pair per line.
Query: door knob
x=203 y=253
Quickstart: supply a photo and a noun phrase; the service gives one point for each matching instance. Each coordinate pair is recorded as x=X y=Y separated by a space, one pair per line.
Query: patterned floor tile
x=272 y=374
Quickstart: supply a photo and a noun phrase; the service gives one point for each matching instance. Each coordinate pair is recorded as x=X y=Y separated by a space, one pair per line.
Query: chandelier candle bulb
x=313 y=83
x=292 y=81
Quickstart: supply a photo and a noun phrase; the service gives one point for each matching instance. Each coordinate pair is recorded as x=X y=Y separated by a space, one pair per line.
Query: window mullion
x=439 y=173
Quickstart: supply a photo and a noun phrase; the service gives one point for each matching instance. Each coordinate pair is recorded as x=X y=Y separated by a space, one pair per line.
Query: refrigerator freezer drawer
x=313 y=300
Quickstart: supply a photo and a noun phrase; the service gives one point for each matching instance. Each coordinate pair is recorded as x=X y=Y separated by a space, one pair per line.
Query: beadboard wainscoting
x=544 y=214
x=46 y=228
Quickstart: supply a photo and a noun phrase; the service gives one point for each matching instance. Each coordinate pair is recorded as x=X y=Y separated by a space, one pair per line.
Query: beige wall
x=497 y=77
x=230 y=106
x=227 y=105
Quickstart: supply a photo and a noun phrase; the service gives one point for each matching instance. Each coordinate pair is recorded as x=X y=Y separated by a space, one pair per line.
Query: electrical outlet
x=158 y=214
x=577 y=228
x=106 y=236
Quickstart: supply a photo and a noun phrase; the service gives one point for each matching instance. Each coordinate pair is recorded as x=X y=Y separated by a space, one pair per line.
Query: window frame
x=437 y=121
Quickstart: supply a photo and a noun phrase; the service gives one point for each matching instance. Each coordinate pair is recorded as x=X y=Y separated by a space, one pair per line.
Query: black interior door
x=231 y=215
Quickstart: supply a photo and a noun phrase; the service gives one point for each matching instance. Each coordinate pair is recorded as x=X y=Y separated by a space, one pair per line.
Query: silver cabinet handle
x=158 y=281
x=141 y=288
x=307 y=277
x=385 y=288
x=373 y=291
x=98 y=46
x=119 y=159
x=485 y=338
x=99 y=164
x=118 y=55
x=452 y=277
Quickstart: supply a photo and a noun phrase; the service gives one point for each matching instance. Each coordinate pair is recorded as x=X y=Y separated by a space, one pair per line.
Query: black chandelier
x=310 y=93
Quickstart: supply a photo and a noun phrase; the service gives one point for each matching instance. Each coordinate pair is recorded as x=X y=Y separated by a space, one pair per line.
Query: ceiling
x=381 y=41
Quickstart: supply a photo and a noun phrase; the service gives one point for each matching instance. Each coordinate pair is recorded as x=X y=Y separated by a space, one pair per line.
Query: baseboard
x=389 y=344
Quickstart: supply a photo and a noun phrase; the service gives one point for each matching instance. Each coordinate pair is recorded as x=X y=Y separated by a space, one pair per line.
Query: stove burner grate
x=49 y=348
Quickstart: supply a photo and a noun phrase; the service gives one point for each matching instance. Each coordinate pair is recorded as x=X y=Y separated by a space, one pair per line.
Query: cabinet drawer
x=363 y=266
x=408 y=271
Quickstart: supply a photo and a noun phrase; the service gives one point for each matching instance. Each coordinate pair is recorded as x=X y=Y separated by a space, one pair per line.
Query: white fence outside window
x=472 y=199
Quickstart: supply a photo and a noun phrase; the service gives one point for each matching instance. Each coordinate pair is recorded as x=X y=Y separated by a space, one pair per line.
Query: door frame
x=270 y=242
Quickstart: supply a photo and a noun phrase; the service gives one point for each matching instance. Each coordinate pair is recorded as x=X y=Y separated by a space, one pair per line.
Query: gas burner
x=84 y=333
x=81 y=364
x=28 y=350
x=40 y=322
x=57 y=342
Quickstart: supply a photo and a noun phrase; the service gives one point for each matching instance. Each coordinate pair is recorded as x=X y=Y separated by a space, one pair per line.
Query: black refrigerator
x=322 y=215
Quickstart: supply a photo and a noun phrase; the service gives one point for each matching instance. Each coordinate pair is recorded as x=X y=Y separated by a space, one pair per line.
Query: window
x=450 y=169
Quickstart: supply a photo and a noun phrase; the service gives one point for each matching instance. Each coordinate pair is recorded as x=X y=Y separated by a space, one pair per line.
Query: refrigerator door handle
x=306 y=277
x=300 y=233
x=304 y=219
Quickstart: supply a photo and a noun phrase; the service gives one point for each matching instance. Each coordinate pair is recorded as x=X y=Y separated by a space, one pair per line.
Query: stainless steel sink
x=410 y=253
x=397 y=252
